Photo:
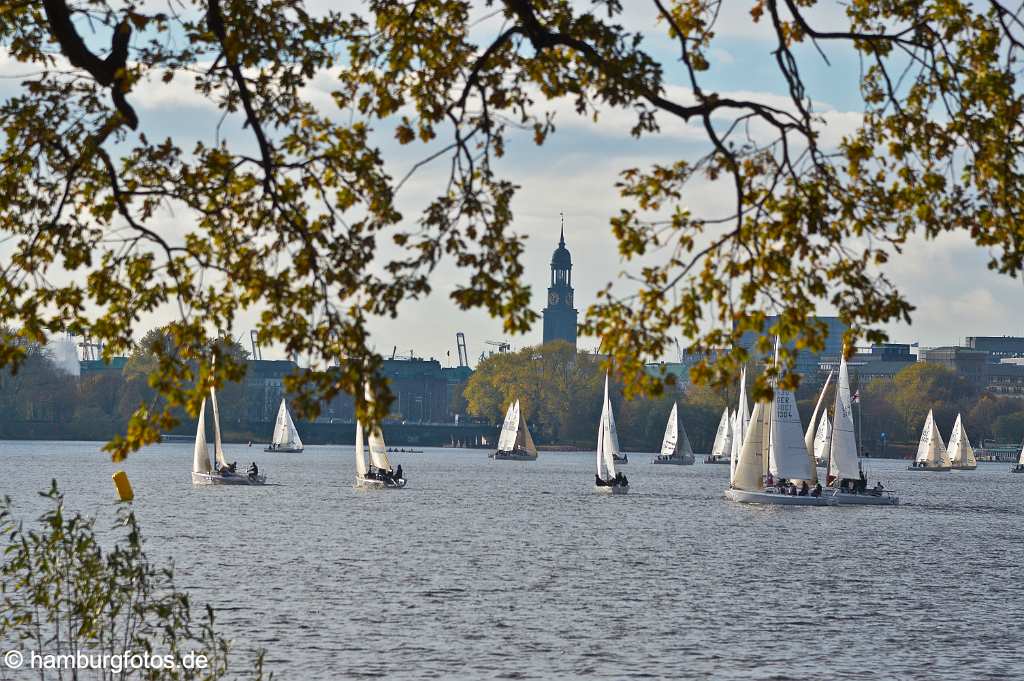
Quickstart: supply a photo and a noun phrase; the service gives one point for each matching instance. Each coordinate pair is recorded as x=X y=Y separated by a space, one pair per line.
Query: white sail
x=822 y=440
x=378 y=450
x=509 y=428
x=844 y=461
x=361 y=467
x=960 y=451
x=749 y=466
x=608 y=437
x=812 y=432
x=931 y=450
x=524 y=441
x=218 y=450
x=723 y=436
x=740 y=424
x=670 y=441
x=787 y=454
x=201 y=454
x=1020 y=458
x=286 y=435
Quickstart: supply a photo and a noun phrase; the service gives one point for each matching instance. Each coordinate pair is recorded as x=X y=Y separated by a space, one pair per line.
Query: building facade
x=560 y=315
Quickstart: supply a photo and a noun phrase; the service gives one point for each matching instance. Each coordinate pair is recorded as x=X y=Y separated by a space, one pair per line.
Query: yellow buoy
x=124 y=488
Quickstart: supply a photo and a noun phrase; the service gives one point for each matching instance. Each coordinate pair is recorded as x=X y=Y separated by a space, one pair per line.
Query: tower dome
x=560 y=259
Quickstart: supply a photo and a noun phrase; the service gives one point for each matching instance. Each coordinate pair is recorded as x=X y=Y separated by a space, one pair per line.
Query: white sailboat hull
x=217 y=479
x=610 y=489
x=827 y=498
x=283 y=450
x=682 y=460
x=930 y=469
x=516 y=455
x=374 y=483
x=722 y=459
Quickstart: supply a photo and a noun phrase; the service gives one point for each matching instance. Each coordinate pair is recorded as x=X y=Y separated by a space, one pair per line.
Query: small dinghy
x=202 y=472
x=286 y=436
x=515 y=442
x=931 y=451
x=607 y=480
x=675 y=445
x=961 y=454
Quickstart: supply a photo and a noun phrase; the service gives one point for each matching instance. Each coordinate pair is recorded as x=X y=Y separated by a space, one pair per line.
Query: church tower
x=560 y=315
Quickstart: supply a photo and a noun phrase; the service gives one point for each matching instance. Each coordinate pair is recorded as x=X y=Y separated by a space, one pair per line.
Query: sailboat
x=286 y=437
x=675 y=445
x=515 y=442
x=377 y=473
x=931 y=451
x=774 y=449
x=723 y=440
x=1019 y=468
x=607 y=480
x=961 y=454
x=205 y=474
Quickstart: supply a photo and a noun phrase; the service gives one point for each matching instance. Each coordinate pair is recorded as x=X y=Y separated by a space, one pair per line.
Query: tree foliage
x=285 y=205
x=66 y=592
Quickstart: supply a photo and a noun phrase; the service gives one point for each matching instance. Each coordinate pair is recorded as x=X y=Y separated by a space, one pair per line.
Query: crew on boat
x=253 y=472
x=618 y=481
x=398 y=472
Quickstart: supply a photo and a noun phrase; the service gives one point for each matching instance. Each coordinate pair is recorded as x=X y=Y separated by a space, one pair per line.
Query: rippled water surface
x=484 y=569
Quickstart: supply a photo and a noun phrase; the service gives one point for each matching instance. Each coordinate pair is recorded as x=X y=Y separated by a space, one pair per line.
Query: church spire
x=561 y=236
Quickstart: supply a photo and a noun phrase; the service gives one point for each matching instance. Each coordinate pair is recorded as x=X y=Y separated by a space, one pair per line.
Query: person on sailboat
x=817 y=490
x=398 y=472
x=253 y=471
x=804 y=489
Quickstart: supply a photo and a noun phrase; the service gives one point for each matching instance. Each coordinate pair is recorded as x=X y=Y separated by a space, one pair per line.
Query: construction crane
x=460 y=343
x=501 y=345
x=257 y=352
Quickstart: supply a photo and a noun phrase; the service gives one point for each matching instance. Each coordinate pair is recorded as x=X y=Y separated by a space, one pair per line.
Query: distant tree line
x=561 y=391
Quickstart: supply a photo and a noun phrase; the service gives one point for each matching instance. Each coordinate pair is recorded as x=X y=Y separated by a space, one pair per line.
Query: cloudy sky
x=575 y=172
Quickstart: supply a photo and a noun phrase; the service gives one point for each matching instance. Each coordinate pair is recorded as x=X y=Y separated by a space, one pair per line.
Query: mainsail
x=675 y=442
x=843 y=459
x=607 y=439
x=723 y=436
x=960 y=451
x=218 y=451
x=524 y=441
x=787 y=453
x=931 y=451
x=286 y=435
x=749 y=466
x=509 y=428
x=201 y=454
x=378 y=450
x=740 y=423
x=822 y=440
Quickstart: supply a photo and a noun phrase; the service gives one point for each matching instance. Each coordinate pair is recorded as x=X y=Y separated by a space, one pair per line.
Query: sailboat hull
x=930 y=469
x=828 y=498
x=217 y=479
x=621 y=459
x=609 y=489
x=512 y=456
x=675 y=460
x=283 y=450
x=1017 y=470
x=712 y=459
x=375 y=483
x=964 y=468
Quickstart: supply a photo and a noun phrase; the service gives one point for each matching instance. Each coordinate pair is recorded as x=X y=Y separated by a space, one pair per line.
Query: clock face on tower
x=552 y=298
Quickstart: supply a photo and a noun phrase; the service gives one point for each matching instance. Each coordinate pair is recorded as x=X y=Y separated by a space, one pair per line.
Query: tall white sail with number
x=844 y=461
x=960 y=451
x=201 y=453
x=931 y=450
x=787 y=453
x=607 y=439
x=286 y=435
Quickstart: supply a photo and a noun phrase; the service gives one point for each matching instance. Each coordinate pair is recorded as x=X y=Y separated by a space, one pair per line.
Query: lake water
x=484 y=569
